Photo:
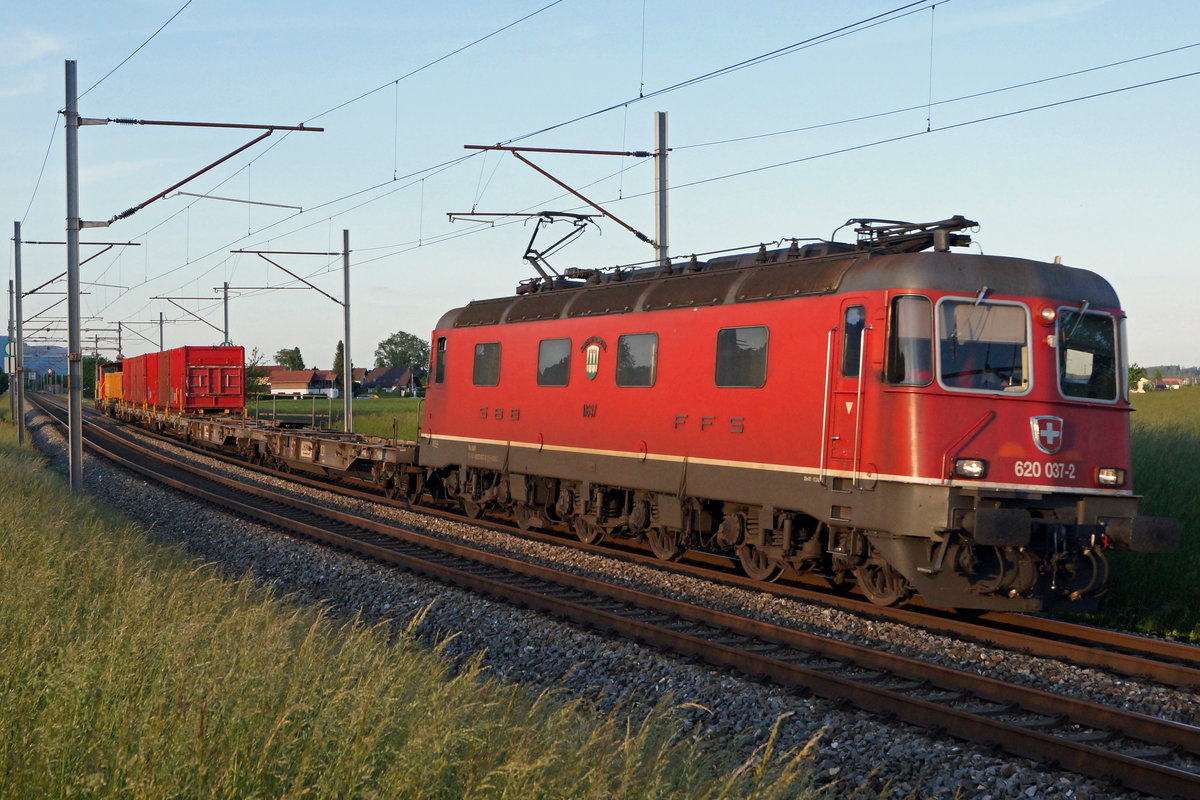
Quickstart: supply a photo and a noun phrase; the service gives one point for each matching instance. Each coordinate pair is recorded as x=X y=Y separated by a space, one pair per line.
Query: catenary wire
x=958 y=99
x=457 y=235
x=42 y=171
x=331 y=110
x=840 y=151
x=889 y=16
x=940 y=129
x=900 y=12
x=135 y=52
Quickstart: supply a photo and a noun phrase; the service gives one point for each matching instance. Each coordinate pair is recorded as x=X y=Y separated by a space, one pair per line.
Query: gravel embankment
x=855 y=748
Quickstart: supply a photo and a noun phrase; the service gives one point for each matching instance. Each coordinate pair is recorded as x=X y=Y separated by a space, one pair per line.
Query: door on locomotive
x=847 y=357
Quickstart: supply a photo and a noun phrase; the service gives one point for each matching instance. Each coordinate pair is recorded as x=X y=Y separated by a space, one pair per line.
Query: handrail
x=862 y=349
x=825 y=409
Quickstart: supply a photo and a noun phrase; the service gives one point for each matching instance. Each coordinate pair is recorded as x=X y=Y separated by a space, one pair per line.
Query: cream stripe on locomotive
x=716 y=462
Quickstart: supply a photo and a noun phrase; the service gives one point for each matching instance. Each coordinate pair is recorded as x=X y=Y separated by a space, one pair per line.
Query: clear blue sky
x=1108 y=183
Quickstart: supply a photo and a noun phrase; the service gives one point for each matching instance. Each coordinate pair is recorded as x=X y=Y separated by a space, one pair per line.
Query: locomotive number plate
x=1044 y=469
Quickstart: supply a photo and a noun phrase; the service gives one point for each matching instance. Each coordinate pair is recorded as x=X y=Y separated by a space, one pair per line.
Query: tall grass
x=1161 y=593
x=128 y=671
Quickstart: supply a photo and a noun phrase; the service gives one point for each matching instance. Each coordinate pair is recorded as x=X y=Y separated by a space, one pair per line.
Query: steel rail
x=752 y=647
x=1162 y=661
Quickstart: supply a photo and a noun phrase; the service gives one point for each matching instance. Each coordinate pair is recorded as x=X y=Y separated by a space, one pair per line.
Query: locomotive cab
x=1020 y=406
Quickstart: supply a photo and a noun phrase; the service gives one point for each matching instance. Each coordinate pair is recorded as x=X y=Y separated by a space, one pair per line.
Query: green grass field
x=1160 y=594
x=127 y=670
x=372 y=416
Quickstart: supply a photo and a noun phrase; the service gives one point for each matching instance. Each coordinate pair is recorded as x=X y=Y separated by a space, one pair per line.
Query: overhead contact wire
x=135 y=52
x=958 y=99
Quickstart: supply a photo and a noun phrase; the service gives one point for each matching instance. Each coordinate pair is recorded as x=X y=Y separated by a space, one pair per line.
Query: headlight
x=1110 y=476
x=970 y=468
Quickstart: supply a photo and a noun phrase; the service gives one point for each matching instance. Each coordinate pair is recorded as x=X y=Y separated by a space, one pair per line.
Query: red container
x=188 y=379
x=151 y=388
x=133 y=386
x=207 y=378
x=162 y=386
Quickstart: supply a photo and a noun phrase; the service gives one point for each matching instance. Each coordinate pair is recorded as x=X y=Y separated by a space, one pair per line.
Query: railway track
x=1161 y=661
x=1140 y=752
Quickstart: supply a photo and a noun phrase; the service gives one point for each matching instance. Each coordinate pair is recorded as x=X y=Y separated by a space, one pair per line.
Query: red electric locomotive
x=935 y=423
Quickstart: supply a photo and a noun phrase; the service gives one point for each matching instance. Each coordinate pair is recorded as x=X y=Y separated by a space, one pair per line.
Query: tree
x=290 y=357
x=1157 y=376
x=88 y=368
x=404 y=350
x=339 y=358
x=1136 y=373
x=256 y=374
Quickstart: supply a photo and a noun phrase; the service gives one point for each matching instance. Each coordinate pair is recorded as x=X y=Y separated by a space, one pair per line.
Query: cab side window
x=554 y=362
x=852 y=331
x=439 y=361
x=742 y=357
x=486 y=370
x=637 y=359
x=910 y=342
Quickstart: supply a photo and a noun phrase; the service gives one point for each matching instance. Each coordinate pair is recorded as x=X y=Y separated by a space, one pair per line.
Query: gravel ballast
x=856 y=750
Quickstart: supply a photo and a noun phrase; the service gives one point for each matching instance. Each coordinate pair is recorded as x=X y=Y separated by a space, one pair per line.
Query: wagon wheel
x=587 y=531
x=391 y=490
x=882 y=585
x=758 y=565
x=412 y=489
x=665 y=544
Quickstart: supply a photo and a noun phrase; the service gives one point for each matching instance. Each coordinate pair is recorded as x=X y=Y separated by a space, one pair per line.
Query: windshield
x=1087 y=355
x=983 y=346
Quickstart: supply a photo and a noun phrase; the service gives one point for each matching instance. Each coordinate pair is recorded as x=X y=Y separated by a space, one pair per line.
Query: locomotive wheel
x=664 y=543
x=586 y=531
x=758 y=565
x=471 y=509
x=882 y=585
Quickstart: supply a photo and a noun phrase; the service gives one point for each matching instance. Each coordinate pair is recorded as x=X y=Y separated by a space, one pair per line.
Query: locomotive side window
x=1087 y=355
x=983 y=346
x=487 y=364
x=910 y=342
x=637 y=359
x=852 y=332
x=554 y=362
x=439 y=361
x=742 y=357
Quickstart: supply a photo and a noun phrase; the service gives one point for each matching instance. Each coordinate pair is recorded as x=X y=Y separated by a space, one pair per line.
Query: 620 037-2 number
x=1044 y=469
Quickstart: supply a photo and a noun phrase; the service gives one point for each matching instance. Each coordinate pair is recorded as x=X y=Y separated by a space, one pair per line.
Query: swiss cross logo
x=1047 y=433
